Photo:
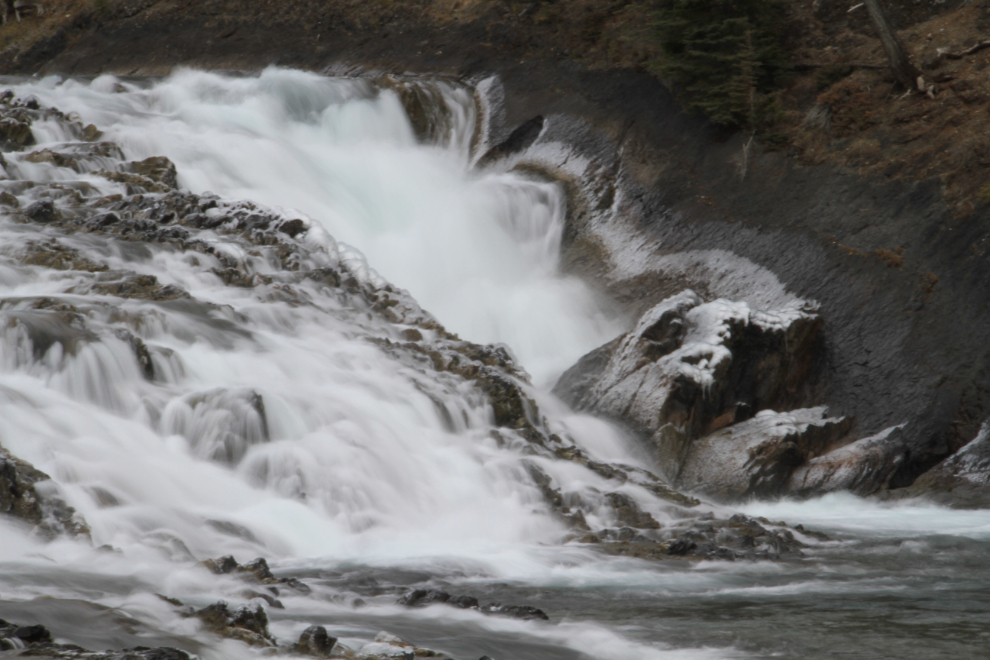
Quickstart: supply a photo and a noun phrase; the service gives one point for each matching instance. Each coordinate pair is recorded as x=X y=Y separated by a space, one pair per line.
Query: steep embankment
x=898 y=265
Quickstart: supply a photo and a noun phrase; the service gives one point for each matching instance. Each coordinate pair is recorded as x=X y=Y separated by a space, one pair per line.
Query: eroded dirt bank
x=902 y=278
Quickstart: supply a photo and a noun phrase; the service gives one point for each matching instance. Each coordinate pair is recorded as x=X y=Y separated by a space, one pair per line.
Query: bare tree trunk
x=901 y=65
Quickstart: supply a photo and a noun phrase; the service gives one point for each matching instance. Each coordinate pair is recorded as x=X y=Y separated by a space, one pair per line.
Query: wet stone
x=246 y=624
x=515 y=611
x=43 y=212
x=159 y=169
x=316 y=642
x=424 y=597
x=15 y=135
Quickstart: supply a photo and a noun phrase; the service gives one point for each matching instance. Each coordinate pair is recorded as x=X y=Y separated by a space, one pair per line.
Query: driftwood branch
x=944 y=53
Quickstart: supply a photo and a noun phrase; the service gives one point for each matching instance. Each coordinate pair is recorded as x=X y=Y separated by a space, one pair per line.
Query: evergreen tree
x=725 y=56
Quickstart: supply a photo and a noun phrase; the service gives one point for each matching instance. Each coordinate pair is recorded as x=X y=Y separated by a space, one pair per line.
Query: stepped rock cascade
x=275 y=361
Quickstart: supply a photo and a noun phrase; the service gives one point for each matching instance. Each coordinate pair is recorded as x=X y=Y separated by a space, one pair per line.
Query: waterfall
x=295 y=368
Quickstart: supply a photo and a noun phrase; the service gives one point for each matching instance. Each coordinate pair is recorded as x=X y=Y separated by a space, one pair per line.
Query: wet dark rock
x=249 y=625
x=90 y=133
x=125 y=284
x=78 y=156
x=704 y=538
x=32 y=634
x=423 y=597
x=222 y=565
x=519 y=140
x=43 y=212
x=258 y=569
x=255 y=571
x=36 y=641
x=159 y=169
x=316 y=642
x=681 y=547
x=697 y=366
x=515 y=611
x=54 y=255
x=428 y=113
x=293 y=227
x=463 y=602
x=28 y=493
x=15 y=135
x=141 y=352
x=136 y=184
x=629 y=513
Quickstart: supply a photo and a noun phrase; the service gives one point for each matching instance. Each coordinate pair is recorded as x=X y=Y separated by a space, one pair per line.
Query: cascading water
x=284 y=419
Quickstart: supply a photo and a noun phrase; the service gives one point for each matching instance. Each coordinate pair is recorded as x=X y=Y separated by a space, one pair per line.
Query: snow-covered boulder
x=724 y=394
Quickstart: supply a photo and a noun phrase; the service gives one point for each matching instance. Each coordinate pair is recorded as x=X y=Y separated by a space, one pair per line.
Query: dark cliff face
x=902 y=283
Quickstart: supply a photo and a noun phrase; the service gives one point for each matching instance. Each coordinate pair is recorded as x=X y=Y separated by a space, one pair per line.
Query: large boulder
x=698 y=366
x=724 y=394
x=863 y=467
x=755 y=458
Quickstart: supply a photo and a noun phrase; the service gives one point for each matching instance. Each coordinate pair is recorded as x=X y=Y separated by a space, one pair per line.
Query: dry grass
x=875 y=128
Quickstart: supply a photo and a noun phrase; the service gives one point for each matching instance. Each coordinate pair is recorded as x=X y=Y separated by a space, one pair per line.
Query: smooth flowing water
x=357 y=483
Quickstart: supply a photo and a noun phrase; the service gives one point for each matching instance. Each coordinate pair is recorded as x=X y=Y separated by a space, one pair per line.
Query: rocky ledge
x=704 y=383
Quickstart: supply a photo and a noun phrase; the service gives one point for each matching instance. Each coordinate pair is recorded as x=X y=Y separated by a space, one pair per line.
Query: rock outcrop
x=703 y=382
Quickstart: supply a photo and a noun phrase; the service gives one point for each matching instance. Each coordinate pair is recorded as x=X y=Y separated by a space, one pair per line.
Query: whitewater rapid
x=478 y=251
x=357 y=478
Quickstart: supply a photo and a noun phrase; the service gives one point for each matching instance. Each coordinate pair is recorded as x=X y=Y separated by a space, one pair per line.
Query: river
x=354 y=481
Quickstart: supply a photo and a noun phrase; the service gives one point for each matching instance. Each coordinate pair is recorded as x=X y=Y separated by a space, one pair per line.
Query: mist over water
x=353 y=477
